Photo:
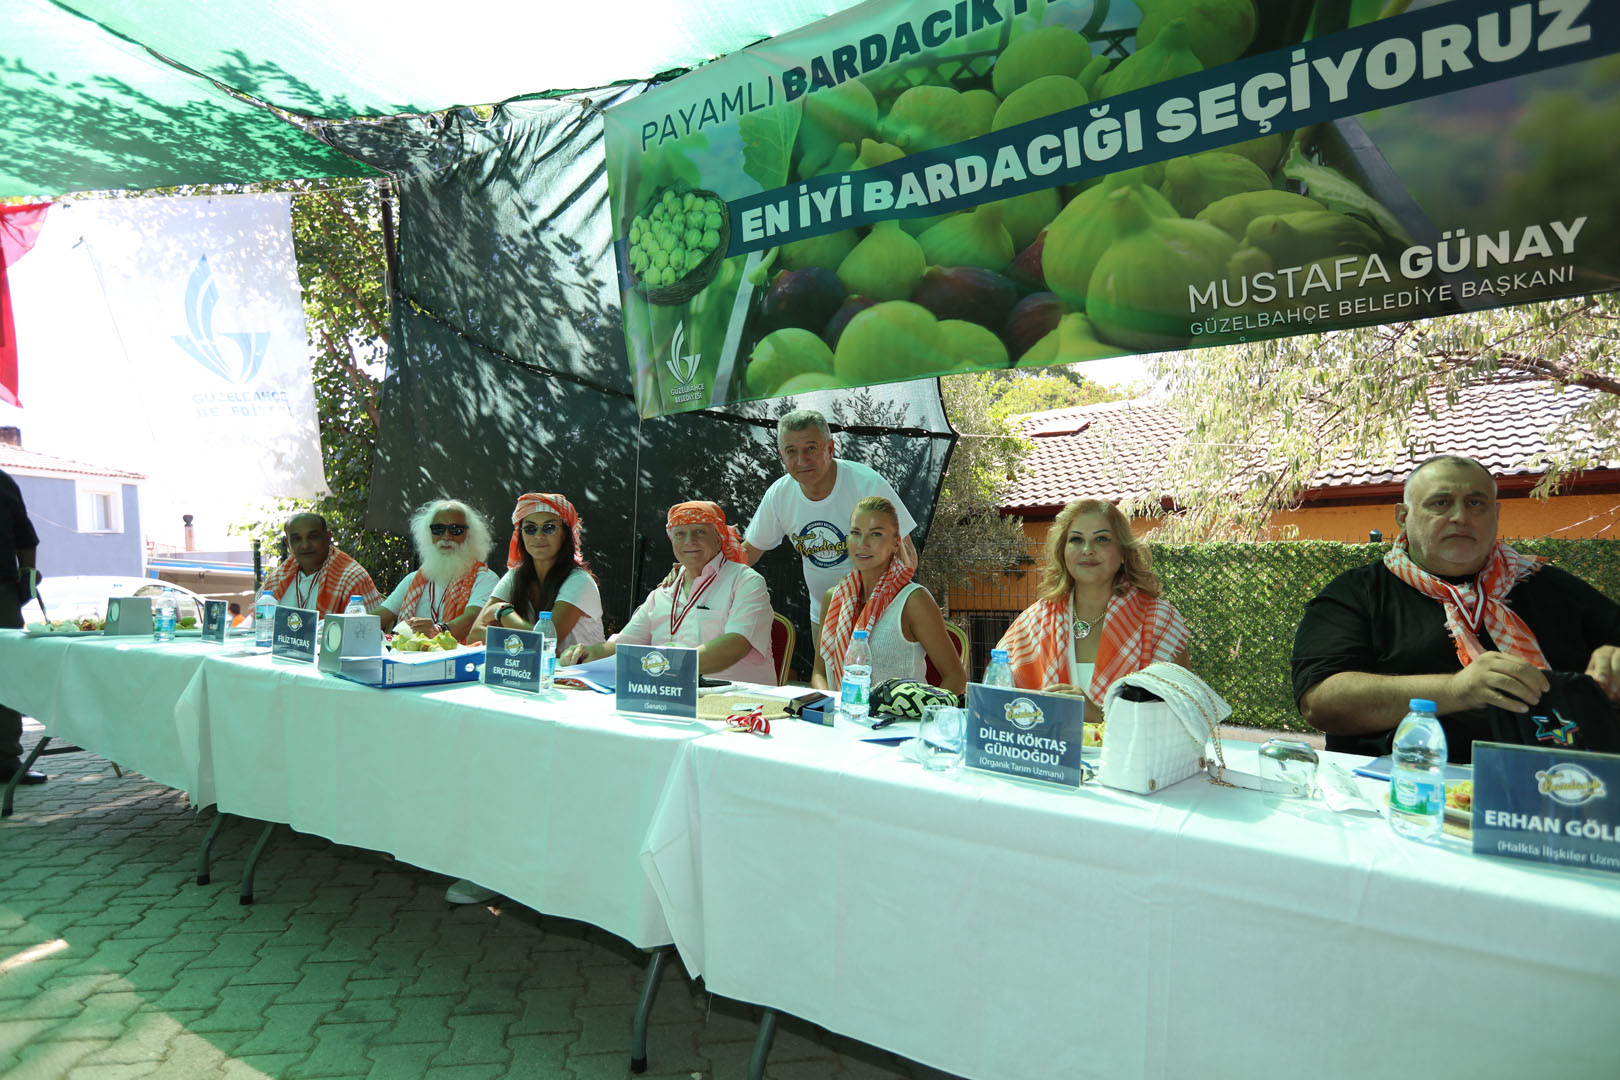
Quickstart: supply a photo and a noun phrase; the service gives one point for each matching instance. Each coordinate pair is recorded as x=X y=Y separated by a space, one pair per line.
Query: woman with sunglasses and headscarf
x=716 y=603
x=448 y=591
x=546 y=572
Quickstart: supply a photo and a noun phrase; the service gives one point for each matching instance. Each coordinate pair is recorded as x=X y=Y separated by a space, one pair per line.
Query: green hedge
x=1242 y=602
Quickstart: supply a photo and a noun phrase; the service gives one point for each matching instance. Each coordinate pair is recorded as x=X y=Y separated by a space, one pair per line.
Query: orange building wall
x=1568 y=517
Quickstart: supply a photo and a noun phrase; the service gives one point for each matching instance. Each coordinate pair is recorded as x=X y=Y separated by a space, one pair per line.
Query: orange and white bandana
x=841 y=619
x=1139 y=630
x=1478 y=603
x=708 y=513
x=537 y=503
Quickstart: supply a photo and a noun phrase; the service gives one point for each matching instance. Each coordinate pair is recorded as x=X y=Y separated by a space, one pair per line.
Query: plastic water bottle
x=355 y=606
x=264 y=620
x=999 y=673
x=855 y=695
x=548 y=649
x=1417 y=774
x=165 y=613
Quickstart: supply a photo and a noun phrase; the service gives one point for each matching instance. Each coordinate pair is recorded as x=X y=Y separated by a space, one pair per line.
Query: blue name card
x=294 y=635
x=215 y=621
x=512 y=659
x=1547 y=805
x=1025 y=734
x=660 y=680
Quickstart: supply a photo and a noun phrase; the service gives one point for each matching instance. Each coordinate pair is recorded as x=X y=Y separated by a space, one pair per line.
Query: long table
x=984 y=927
x=544 y=799
x=113 y=695
x=996 y=930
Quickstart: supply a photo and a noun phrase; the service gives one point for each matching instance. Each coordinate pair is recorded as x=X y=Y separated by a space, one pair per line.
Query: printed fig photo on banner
x=920 y=187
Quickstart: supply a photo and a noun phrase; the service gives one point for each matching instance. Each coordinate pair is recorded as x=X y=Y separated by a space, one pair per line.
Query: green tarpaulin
x=99 y=94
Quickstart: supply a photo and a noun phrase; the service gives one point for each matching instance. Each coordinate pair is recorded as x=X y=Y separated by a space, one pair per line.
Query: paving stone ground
x=115 y=964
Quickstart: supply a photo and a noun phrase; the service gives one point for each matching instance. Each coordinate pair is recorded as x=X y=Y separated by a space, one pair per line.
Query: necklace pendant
x=1082 y=629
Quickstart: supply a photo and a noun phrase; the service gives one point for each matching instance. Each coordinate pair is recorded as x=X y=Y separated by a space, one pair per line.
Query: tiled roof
x=1119 y=449
x=15 y=459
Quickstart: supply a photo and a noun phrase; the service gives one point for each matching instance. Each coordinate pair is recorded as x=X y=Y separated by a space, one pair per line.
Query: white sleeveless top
x=893 y=657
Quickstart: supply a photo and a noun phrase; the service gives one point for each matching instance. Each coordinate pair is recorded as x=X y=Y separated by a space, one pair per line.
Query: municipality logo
x=513 y=645
x=683 y=366
x=237 y=357
x=1569 y=784
x=654 y=664
x=1023 y=714
x=295 y=622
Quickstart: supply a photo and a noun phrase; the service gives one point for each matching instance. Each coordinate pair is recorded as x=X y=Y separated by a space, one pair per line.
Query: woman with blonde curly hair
x=1100 y=615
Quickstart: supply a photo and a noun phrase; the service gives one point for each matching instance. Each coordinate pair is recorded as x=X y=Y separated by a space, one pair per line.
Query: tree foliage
x=1262 y=419
x=969 y=532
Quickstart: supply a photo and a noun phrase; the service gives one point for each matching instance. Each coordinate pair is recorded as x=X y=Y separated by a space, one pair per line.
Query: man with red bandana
x=1450 y=614
x=715 y=602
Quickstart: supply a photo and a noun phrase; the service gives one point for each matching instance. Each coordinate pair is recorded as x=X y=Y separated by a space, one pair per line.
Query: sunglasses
x=439 y=528
x=531 y=529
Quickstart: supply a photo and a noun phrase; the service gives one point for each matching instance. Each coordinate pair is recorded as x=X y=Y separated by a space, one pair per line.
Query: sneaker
x=467 y=892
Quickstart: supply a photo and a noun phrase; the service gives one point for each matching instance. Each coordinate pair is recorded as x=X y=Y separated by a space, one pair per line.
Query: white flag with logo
x=167 y=335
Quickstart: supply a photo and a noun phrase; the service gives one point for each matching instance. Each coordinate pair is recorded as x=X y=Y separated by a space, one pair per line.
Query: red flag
x=19 y=228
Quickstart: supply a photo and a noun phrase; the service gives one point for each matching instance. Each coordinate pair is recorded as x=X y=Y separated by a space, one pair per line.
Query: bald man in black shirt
x=1401 y=628
x=17 y=544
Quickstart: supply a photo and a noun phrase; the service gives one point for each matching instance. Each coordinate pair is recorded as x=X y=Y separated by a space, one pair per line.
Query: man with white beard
x=453 y=583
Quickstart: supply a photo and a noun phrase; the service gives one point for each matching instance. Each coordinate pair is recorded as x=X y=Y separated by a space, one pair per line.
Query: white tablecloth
x=114 y=696
x=545 y=800
x=998 y=930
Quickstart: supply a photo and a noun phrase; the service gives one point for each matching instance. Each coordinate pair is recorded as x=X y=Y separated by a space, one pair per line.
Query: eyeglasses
x=439 y=528
x=550 y=527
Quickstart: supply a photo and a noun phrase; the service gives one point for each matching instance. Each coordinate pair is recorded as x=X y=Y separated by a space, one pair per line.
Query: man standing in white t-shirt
x=811 y=505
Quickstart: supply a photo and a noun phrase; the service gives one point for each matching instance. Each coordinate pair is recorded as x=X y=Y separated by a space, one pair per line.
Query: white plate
x=36 y=630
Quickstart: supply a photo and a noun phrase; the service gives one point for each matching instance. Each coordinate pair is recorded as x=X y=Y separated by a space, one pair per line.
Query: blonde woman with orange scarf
x=1100 y=615
x=902 y=622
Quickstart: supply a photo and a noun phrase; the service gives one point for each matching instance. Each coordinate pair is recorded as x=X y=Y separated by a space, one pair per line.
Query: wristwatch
x=503 y=611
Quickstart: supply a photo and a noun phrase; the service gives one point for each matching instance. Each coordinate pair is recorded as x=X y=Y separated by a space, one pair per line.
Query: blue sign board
x=512 y=659
x=1025 y=734
x=294 y=636
x=661 y=680
x=215 y=621
x=1547 y=805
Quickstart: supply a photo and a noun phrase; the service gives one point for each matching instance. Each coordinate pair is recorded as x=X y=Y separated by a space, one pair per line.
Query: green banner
x=916 y=188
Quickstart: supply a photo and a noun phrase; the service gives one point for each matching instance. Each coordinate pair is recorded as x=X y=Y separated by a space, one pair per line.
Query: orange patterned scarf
x=841 y=619
x=535 y=503
x=341 y=577
x=708 y=513
x=1139 y=630
x=455 y=600
x=1478 y=603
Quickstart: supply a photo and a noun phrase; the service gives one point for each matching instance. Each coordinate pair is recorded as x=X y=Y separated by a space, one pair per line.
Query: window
x=100 y=510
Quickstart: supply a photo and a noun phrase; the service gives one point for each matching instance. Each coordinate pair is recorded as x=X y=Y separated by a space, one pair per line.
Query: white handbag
x=1149 y=745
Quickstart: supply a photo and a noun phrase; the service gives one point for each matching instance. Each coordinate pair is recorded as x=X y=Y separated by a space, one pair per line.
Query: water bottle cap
x=1419 y=704
x=860 y=635
x=545 y=616
x=353 y=598
x=998 y=656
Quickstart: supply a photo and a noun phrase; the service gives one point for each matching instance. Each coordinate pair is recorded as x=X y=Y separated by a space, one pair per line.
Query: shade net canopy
x=101 y=94
x=507 y=369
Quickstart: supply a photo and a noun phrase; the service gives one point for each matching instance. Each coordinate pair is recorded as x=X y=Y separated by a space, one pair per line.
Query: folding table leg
x=762 y=1045
x=16 y=778
x=649 y=992
x=247 y=871
x=207 y=845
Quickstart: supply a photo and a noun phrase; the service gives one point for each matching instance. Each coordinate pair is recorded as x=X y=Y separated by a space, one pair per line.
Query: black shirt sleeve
x=16 y=531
